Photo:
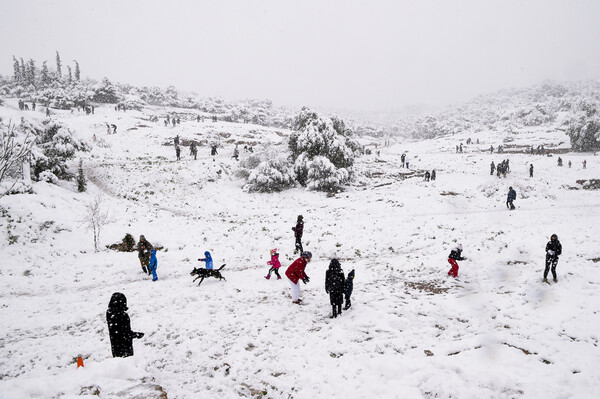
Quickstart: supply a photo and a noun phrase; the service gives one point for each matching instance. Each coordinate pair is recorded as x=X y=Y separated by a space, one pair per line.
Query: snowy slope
x=497 y=331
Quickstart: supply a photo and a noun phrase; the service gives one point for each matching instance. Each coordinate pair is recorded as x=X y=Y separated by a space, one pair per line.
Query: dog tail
x=222 y=266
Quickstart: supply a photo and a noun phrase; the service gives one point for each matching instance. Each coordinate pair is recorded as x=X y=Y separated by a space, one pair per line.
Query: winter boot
x=334 y=314
x=555 y=280
x=278 y=277
x=339 y=309
x=268 y=277
x=545 y=280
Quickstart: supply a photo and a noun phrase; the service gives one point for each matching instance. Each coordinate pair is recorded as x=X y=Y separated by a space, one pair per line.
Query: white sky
x=351 y=54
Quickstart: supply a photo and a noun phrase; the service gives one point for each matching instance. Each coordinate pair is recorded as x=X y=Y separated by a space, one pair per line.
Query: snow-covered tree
x=321 y=137
x=584 y=126
x=45 y=75
x=273 y=174
x=77 y=71
x=105 y=92
x=69 y=75
x=58 y=66
x=16 y=70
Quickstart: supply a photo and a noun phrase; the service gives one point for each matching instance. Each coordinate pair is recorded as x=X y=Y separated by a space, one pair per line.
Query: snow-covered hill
x=496 y=331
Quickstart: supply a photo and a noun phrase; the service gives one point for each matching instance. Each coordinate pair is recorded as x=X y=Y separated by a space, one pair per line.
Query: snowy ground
x=495 y=332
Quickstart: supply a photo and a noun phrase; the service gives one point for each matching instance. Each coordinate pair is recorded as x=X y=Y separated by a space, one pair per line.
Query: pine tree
x=69 y=74
x=58 y=66
x=16 y=70
x=81 y=178
x=31 y=72
x=44 y=74
x=77 y=71
x=23 y=72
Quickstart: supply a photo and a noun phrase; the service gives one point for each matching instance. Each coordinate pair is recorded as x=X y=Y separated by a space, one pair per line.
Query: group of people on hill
x=23 y=106
x=501 y=169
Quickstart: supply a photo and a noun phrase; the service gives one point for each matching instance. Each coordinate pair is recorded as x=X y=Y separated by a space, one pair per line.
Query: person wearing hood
x=119 y=327
x=153 y=264
x=275 y=264
x=298 y=230
x=334 y=286
x=295 y=273
x=455 y=254
x=208 y=260
x=511 y=196
x=553 y=250
x=348 y=287
x=144 y=248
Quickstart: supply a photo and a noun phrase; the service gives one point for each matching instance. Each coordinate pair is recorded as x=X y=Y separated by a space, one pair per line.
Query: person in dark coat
x=178 y=152
x=427 y=175
x=298 y=230
x=295 y=273
x=492 y=168
x=531 y=170
x=455 y=254
x=553 y=250
x=144 y=248
x=512 y=195
x=119 y=327
x=433 y=174
x=193 y=149
x=176 y=140
x=348 y=287
x=334 y=286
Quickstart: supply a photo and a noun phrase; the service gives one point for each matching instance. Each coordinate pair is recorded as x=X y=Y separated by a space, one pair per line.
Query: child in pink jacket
x=275 y=265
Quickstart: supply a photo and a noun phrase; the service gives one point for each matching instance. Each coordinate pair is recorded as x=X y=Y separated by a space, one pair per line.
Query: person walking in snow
x=531 y=170
x=119 y=327
x=569 y=164
x=176 y=140
x=213 y=150
x=144 y=248
x=193 y=149
x=348 y=287
x=208 y=259
x=178 y=152
x=152 y=266
x=491 y=149
x=433 y=174
x=512 y=195
x=559 y=161
x=492 y=168
x=236 y=153
x=584 y=164
x=553 y=250
x=274 y=263
x=298 y=230
x=402 y=158
x=427 y=175
x=334 y=286
x=455 y=254
x=295 y=273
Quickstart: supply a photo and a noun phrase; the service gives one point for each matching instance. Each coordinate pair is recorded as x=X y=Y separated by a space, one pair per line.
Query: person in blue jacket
x=153 y=264
x=512 y=195
x=208 y=260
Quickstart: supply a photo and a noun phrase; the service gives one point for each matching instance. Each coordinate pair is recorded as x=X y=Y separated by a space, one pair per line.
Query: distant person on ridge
x=531 y=170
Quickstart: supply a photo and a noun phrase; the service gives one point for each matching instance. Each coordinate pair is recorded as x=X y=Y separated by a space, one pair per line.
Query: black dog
x=204 y=273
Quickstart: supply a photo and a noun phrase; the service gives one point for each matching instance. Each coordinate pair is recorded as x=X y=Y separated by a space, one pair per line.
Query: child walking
x=153 y=264
x=275 y=265
x=455 y=254
x=348 y=289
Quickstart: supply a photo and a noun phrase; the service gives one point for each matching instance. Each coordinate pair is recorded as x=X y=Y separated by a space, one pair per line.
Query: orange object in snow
x=79 y=361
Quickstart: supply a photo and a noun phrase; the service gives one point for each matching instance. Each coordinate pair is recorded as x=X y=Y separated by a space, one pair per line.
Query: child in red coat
x=275 y=265
x=296 y=273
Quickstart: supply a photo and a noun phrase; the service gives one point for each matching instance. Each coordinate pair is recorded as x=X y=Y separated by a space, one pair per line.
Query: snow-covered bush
x=48 y=177
x=105 y=92
x=317 y=137
x=584 y=126
x=132 y=102
x=272 y=174
x=55 y=145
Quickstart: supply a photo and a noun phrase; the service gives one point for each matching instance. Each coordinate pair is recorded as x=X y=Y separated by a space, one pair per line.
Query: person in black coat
x=553 y=249
x=119 y=327
x=348 y=286
x=334 y=286
x=298 y=230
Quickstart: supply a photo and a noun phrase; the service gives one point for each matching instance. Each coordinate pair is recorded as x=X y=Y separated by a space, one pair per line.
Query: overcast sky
x=352 y=54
